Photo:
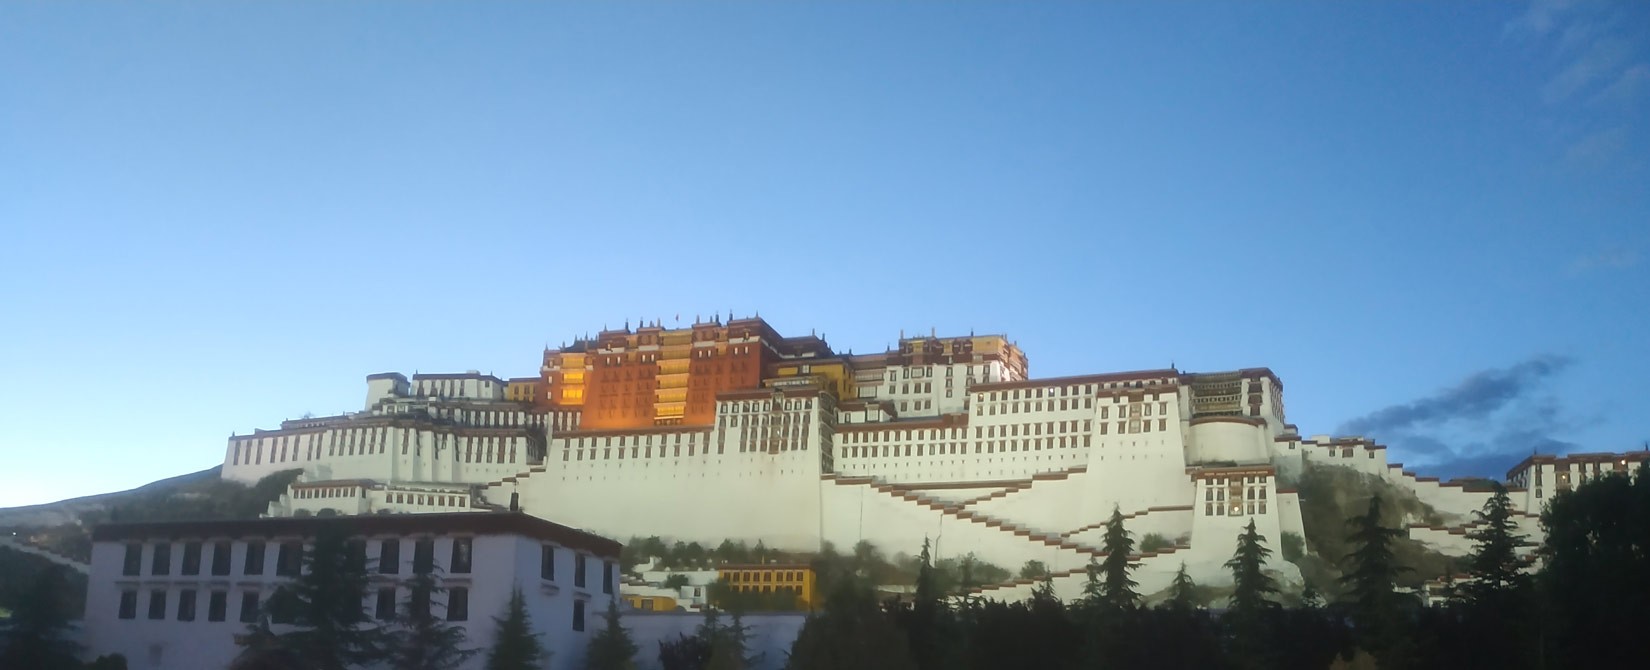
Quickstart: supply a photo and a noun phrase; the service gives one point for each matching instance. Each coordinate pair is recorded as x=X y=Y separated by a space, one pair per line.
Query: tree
x=1593 y=579
x=1033 y=569
x=850 y=634
x=1249 y=614
x=922 y=622
x=611 y=648
x=675 y=581
x=422 y=641
x=727 y=642
x=686 y=652
x=1497 y=575
x=515 y=645
x=37 y=636
x=1116 y=588
x=1182 y=592
x=1377 y=610
x=323 y=604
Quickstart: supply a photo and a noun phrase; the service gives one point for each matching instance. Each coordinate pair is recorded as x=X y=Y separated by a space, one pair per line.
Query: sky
x=1431 y=220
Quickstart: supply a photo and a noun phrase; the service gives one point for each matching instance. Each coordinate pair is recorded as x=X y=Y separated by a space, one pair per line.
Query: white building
x=175 y=594
x=944 y=438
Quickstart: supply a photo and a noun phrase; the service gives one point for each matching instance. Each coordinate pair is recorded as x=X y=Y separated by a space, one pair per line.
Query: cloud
x=1538 y=19
x=1611 y=259
x=1627 y=88
x=1476 y=397
x=1596 y=148
x=1601 y=60
x=1479 y=427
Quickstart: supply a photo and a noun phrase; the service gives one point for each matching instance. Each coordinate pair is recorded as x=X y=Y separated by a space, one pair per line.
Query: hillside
x=1332 y=494
x=71 y=510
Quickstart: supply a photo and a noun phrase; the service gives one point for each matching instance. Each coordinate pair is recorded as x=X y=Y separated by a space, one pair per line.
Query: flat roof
x=467 y=523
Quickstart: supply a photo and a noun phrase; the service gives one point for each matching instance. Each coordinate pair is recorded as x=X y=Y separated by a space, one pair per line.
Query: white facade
x=174 y=595
x=974 y=456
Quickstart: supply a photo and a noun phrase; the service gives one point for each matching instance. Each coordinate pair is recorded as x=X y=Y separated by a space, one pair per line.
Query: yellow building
x=650 y=603
x=774 y=578
x=521 y=389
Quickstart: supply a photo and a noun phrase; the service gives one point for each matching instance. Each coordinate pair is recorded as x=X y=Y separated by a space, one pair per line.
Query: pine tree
x=1376 y=606
x=37 y=634
x=611 y=648
x=1182 y=592
x=927 y=617
x=850 y=634
x=323 y=604
x=1116 y=588
x=1252 y=588
x=1497 y=576
x=515 y=645
x=1250 y=613
x=422 y=641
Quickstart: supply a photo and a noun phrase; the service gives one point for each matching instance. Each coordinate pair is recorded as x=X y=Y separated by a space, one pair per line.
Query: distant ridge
x=70 y=510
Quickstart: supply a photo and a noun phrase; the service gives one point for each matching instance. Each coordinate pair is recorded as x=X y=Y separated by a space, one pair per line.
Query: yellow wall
x=658 y=603
x=773 y=578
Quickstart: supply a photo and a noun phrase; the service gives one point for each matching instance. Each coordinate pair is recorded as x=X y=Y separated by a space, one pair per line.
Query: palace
x=728 y=430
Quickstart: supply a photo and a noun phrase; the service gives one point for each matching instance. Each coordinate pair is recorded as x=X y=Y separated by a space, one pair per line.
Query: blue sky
x=1431 y=219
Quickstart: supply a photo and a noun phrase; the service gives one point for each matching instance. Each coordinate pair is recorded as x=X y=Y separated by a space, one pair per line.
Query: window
x=249 y=607
x=186 y=605
x=217 y=605
x=578 y=570
x=384 y=608
x=289 y=560
x=420 y=602
x=254 y=559
x=157 y=604
x=389 y=557
x=134 y=560
x=220 y=558
x=547 y=562
x=161 y=562
x=128 y=604
x=460 y=563
x=191 y=559
x=578 y=615
x=281 y=606
x=607 y=577
x=458 y=604
x=423 y=556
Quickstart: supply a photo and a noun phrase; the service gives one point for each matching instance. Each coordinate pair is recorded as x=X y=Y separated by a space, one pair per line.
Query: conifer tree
x=323 y=604
x=850 y=634
x=611 y=648
x=1497 y=576
x=515 y=645
x=925 y=623
x=1371 y=582
x=1116 y=588
x=423 y=641
x=37 y=634
x=1252 y=588
x=1182 y=592
x=1251 y=609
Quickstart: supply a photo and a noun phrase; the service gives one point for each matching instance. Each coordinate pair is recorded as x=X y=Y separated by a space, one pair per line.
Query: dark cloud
x=1476 y=397
x=1492 y=459
x=1478 y=428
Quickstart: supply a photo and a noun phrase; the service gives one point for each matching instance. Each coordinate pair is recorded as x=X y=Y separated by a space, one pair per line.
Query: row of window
x=217 y=604
x=288 y=557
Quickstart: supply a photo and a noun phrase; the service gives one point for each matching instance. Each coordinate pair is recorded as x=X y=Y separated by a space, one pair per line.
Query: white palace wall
x=1022 y=470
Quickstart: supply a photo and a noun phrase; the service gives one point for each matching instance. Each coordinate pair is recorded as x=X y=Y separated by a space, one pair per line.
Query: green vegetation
x=611 y=648
x=1330 y=495
x=515 y=645
x=422 y=640
x=1154 y=542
